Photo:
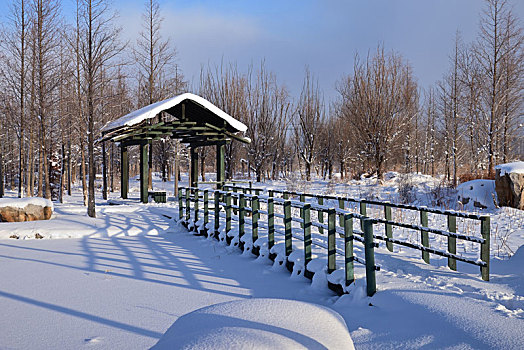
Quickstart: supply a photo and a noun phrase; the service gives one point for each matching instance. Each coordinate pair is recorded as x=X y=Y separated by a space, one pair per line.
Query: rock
x=510 y=187
x=26 y=209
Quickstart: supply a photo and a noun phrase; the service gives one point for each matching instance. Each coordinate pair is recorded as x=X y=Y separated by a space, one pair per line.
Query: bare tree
x=499 y=42
x=99 y=45
x=266 y=117
x=310 y=116
x=379 y=102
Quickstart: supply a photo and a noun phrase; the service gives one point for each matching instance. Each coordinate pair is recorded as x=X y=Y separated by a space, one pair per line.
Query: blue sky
x=324 y=35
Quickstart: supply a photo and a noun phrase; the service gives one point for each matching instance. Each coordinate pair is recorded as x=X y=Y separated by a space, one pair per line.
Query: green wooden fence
x=237 y=203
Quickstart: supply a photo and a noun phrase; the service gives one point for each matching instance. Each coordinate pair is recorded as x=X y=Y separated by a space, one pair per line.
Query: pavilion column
x=221 y=165
x=194 y=168
x=124 y=171
x=104 y=171
x=144 y=172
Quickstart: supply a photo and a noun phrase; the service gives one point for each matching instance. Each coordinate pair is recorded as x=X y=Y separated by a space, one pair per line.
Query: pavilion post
x=104 y=171
x=144 y=172
x=194 y=167
x=221 y=165
x=124 y=171
x=177 y=165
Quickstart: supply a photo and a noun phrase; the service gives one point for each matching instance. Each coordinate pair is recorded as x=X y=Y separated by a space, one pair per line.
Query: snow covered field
x=121 y=280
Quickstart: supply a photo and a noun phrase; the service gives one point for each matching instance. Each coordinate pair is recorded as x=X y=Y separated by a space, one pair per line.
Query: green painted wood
x=144 y=172
x=388 y=227
x=369 y=252
x=485 y=247
x=285 y=195
x=217 y=212
x=255 y=216
x=206 y=208
x=220 y=165
x=124 y=171
x=302 y=198
x=332 y=264
x=307 y=233
x=452 y=242
x=228 y=212
x=194 y=167
x=341 y=205
x=197 y=204
x=424 y=237
x=287 y=227
x=320 y=201
x=241 y=215
x=348 y=249
x=363 y=212
x=180 y=205
x=270 y=223
x=188 y=205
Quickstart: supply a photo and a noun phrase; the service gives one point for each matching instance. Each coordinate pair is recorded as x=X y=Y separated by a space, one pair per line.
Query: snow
x=480 y=191
x=515 y=167
x=152 y=110
x=21 y=203
x=258 y=323
x=123 y=279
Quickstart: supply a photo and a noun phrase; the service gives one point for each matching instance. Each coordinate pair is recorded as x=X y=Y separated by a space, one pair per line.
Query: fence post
x=341 y=205
x=307 y=233
x=369 y=251
x=206 y=208
x=255 y=215
x=484 y=248
x=320 y=201
x=287 y=226
x=228 y=212
x=348 y=249
x=424 y=238
x=452 y=241
x=235 y=201
x=241 y=215
x=302 y=198
x=388 y=227
x=270 y=222
x=196 y=206
x=180 y=205
x=363 y=212
x=217 y=212
x=285 y=195
x=188 y=206
x=331 y=240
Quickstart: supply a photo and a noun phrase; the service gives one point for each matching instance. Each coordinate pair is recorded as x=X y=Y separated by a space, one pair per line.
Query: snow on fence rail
x=389 y=223
x=235 y=206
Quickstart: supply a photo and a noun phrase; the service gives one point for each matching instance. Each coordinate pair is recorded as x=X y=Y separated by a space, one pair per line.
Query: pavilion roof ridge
x=152 y=110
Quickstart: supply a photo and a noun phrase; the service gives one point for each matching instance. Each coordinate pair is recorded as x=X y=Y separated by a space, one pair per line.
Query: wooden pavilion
x=189 y=118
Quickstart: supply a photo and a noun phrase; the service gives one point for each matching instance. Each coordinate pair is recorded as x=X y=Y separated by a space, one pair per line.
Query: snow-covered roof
x=154 y=109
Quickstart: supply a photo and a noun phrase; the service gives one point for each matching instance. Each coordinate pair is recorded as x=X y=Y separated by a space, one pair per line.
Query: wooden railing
x=243 y=202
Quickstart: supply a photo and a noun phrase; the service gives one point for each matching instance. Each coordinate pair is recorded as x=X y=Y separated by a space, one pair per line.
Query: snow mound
x=258 y=324
x=515 y=167
x=21 y=203
x=477 y=194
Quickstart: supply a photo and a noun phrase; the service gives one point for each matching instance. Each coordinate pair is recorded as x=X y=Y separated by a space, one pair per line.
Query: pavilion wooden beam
x=124 y=171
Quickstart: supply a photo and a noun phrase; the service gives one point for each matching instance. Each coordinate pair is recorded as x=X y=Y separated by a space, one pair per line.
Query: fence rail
x=238 y=203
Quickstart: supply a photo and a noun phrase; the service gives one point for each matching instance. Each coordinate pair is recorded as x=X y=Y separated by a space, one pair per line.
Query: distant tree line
x=61 y=81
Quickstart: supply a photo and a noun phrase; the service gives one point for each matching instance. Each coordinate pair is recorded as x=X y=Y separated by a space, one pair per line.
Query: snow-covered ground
x=122 y=279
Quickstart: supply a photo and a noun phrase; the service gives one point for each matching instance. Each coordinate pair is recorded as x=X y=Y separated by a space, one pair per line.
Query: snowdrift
x=258 y=324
